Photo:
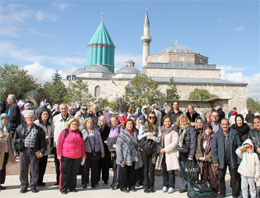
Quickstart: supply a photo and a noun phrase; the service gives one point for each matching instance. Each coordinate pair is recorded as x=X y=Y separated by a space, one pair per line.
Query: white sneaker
x=164 y=189
x=171 y=190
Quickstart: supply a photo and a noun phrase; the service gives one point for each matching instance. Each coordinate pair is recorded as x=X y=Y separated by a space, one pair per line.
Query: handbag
x=148 y=146
x=19 y=145
x=192 y=171
x=94 y=155
x=183 y=149
x=110 y=144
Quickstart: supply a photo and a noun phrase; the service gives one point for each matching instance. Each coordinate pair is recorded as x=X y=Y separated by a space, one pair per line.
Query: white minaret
x=146 y=39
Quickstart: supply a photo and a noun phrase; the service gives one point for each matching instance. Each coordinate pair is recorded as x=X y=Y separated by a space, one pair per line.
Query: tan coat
x=207 y=157
x=2 y=152
x=172 y=162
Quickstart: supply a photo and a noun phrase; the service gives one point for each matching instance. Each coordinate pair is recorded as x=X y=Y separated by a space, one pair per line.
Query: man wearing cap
x=29 y=141
x=13 y=113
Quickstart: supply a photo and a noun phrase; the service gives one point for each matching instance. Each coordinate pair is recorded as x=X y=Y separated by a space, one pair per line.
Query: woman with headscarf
x=151 y=131
x=204 y=158
x=199 y=125
x=241 y=127
x=6 y=152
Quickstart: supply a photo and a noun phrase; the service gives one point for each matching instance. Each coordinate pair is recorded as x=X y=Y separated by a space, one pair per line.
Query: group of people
x=133 y=144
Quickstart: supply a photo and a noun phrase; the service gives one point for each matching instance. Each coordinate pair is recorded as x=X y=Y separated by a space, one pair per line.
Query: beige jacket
x=2 y=152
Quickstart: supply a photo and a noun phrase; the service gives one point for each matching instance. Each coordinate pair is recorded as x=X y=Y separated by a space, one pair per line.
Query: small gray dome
x=129 y=70
x=176 y=49
x=130 y=61
x=79 y=71
x=98 y=69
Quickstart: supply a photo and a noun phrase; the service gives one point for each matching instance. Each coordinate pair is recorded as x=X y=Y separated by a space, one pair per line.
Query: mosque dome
x=97 y=69
x=129 y=70
x=79 y=71
x=176 y=49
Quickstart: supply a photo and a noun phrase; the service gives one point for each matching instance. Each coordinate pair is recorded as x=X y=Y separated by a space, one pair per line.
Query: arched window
x=181 y=58
x=97 y=91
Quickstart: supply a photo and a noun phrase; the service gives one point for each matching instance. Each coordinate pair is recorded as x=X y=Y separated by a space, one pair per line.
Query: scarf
x=151 y=128
x=164 y=133
x=207 y=139
x=182 y=133
x=241 y=130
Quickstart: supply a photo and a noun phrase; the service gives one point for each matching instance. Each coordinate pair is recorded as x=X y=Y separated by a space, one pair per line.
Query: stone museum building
x=190 y=70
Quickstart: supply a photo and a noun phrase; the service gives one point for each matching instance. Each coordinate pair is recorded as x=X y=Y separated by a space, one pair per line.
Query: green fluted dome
x=101 y=49
x=101 y=36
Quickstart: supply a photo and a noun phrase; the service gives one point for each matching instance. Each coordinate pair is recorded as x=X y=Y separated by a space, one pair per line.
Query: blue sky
x=52 y=35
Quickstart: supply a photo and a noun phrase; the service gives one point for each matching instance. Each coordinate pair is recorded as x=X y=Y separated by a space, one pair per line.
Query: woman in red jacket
x=70 y=151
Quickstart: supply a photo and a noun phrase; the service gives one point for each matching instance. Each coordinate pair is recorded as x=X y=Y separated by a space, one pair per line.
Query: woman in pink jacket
x=70 y=151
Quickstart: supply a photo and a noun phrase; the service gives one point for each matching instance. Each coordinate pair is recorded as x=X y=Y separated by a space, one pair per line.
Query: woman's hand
x=190 y=158
x=258 y=150
x=148 y=137
x=162 y=150
x=46 y=137
x=121 y=161
x=59 y=157
x=202 y=159
x=102 y=156
x=15 y=154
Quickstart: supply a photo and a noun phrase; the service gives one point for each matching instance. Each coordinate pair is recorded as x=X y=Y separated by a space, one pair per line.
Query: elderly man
x=215 y=121
x=13 y=113
x=254 y=135
x=175 y=112
x=223 y=148
x=29 y=141
x=59 y=124
x=82 y=115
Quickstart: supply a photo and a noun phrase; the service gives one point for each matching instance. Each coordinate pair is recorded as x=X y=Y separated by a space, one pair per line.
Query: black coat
x=221 y=114
x=174 y=115
x=14 y=117
x=104 y=132
x=218 y=148
x=254 y=136
x=193 y=117
x=40 y=144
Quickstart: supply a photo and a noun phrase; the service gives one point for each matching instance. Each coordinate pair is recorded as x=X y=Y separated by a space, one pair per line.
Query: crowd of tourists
x=133 y=143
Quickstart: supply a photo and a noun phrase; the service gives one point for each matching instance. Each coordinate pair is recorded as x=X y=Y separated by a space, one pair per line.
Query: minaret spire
x=102 y=15
x=146 y=39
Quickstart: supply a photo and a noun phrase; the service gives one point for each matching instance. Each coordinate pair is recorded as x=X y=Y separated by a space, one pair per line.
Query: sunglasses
x=151 y=117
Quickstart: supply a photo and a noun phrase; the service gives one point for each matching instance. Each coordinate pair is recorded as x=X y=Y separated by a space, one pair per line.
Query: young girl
x=249 y=168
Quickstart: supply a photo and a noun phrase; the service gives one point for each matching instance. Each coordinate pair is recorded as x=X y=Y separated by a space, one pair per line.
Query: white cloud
x=235 y=74
x=239 y=29
x=37 y=33
x=41 y=16
x=60 y=5
x=9 y=50
x=44 y=74
x=10 y=31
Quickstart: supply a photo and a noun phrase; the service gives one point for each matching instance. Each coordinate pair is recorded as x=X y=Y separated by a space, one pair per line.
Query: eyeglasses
x=151 y=117
x=84 y=109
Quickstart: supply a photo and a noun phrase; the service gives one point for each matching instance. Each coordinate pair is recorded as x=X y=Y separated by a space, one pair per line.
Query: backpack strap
x=67 y=133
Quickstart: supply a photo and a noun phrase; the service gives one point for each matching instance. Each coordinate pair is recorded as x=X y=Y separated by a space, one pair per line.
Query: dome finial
x=102 y=15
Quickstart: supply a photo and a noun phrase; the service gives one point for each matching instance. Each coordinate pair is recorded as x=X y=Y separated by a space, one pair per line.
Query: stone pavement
x=50 y=191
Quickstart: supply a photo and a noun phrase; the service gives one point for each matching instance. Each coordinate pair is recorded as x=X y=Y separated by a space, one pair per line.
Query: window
x=181 y=58
x=97 y=91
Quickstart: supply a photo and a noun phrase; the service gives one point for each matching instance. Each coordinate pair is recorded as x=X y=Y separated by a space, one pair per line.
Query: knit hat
x=3 y=115
x=27 y=106
x=234 y=113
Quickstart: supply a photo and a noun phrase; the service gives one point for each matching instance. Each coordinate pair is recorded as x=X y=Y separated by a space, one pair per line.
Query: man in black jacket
x=223 y=149
x=254 y=135
x=175 y=112
x=29 y=141
x=13 y=113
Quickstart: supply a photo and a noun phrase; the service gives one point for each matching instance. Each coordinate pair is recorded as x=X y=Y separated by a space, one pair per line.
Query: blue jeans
x=184 y=183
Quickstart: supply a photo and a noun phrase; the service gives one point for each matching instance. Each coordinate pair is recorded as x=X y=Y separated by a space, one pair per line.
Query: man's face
x=29 y=120
x=225 y=125
x=84 y=109
x=63 y=109
x=9 y=100
x=257 y=124
x=176 y=105
x=95 y=109
x=190 y=109
x=199 y=124
x=215 y=117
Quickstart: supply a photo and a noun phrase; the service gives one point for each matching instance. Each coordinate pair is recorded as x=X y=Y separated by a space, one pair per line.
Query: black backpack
x=148 y=146
x=67 y=133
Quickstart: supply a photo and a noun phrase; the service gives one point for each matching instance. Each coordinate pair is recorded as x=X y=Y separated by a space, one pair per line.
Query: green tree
x=201 y=94
x=172 y=91
x=102 y=103
x=79 y=93
x=143 y=91
x=15 y=80
x=252 y=105
x=56 y=89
